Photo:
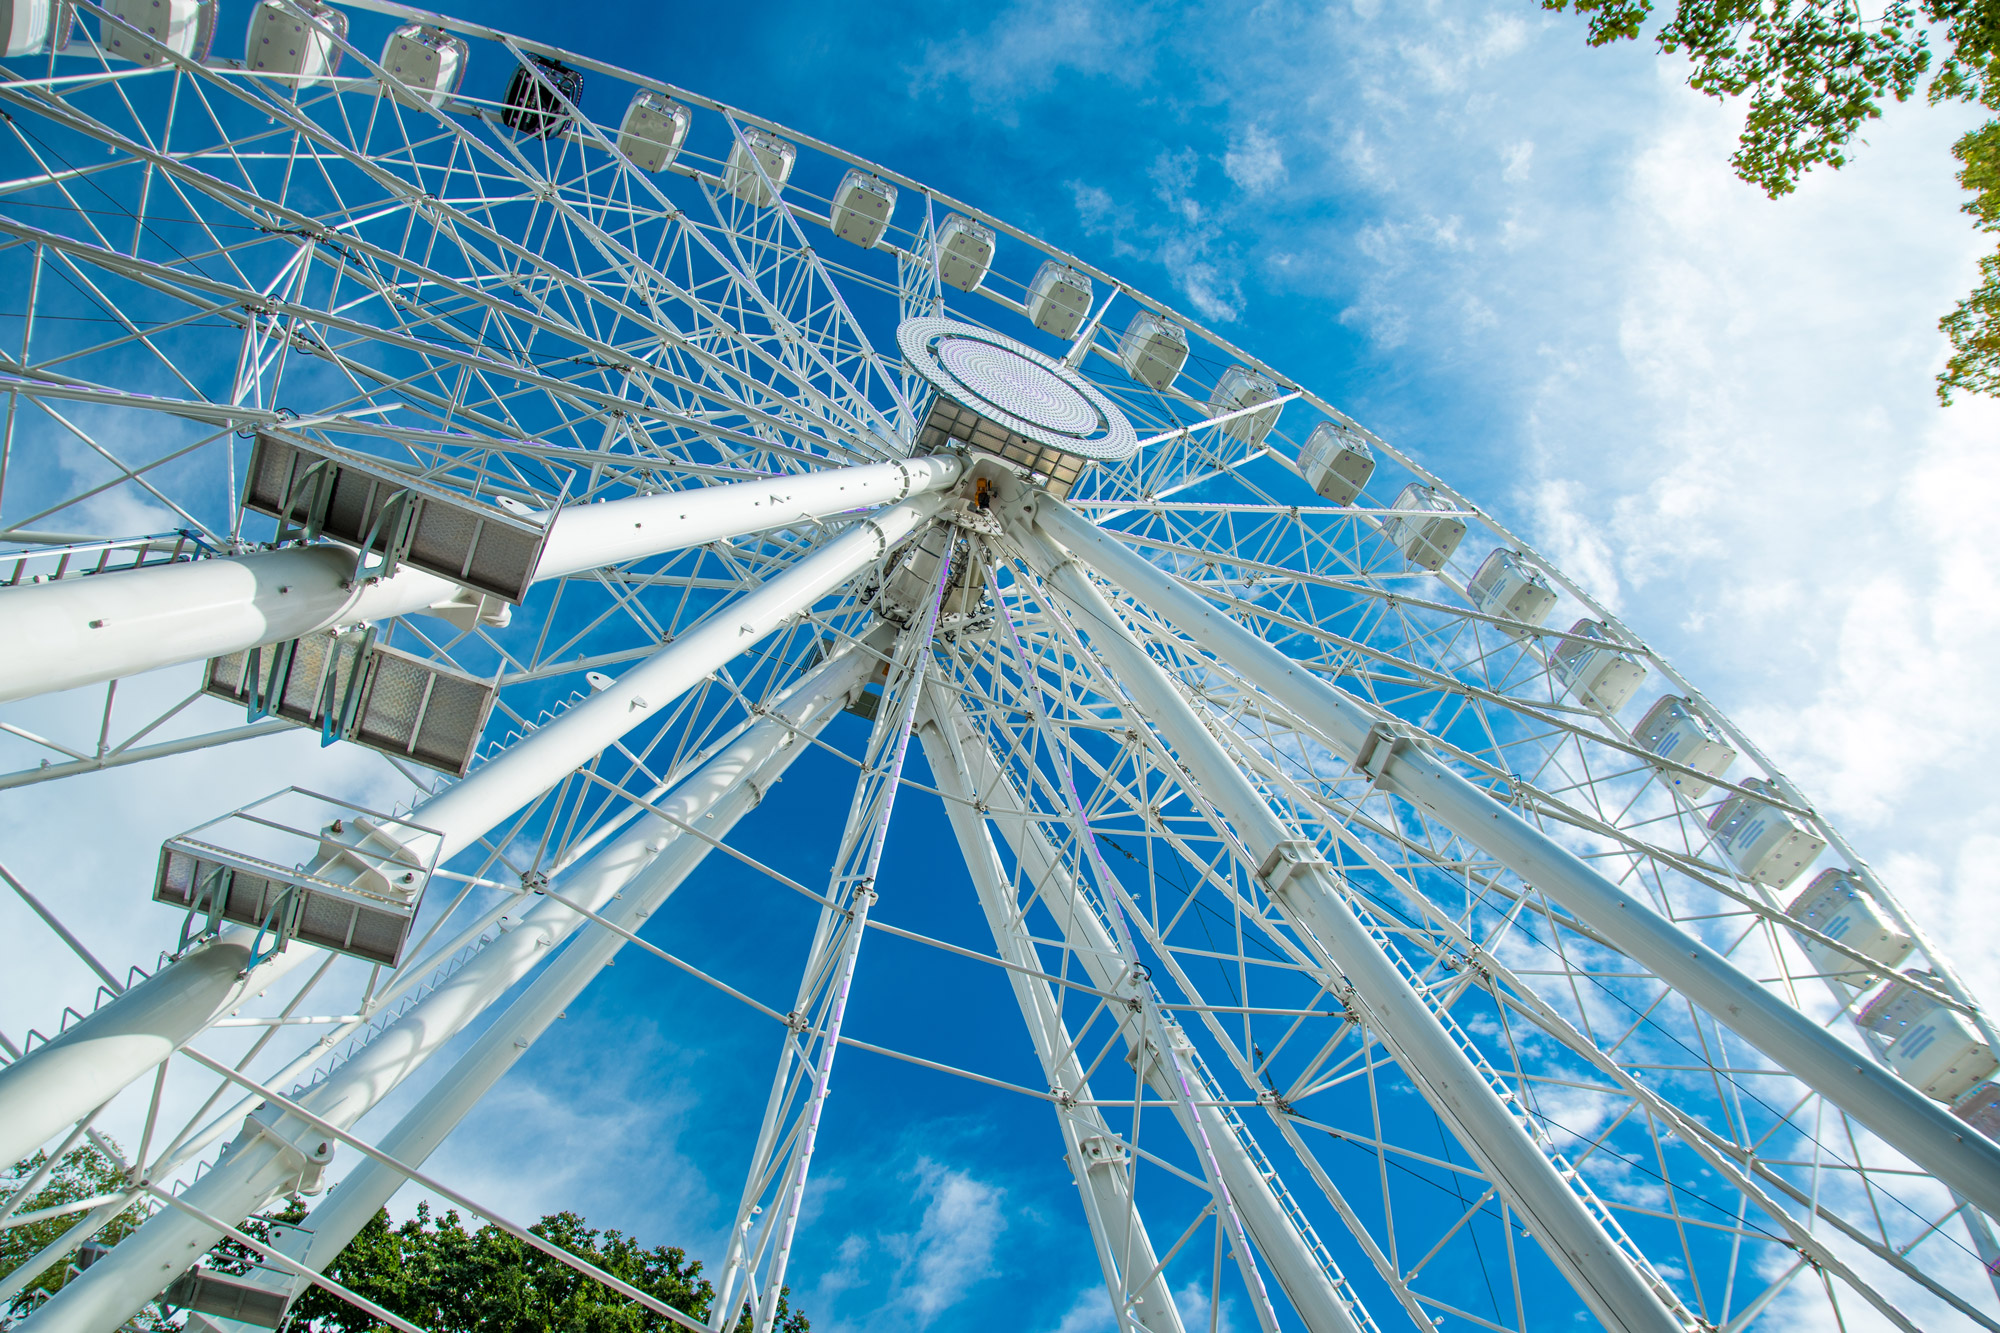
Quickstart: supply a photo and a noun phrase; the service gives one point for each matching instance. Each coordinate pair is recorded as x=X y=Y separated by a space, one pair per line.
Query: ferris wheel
x=1400 y=941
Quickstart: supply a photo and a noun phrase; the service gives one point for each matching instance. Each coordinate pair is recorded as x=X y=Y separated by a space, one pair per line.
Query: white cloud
x=953 y=1248
x=1254 y=161
x=1026 y=47
x=1197 y=1310
x=1090 y=1312
x=1516 y=159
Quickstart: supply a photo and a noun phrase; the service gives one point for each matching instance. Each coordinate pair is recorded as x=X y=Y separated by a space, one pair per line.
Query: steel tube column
x=98 y=628
x=1123 y=1246
x=718 y=794
x=964 y=766
x=536 y=762
x=168 y=1008
x=273 y=1152
x=57 y=1084
x=1908 y=1121
x=1604 y=1277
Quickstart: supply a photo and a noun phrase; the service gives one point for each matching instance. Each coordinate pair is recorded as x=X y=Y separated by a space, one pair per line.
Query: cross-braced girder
x=1161 y=845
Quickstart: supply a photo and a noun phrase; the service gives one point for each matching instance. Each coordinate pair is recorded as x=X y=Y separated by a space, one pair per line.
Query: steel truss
x=1437 y=996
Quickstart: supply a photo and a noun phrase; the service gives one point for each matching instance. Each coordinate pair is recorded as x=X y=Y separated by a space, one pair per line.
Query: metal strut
x=110 y=1291
x=1167 y=1060
x=1905 y=1118
x=790 y=1130
x=1317 y=1289
x=658 y=860
x=1100 y=1165
x=1616 y=1291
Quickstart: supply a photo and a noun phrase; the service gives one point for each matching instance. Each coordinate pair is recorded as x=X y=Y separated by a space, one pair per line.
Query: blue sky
x=1522 y=260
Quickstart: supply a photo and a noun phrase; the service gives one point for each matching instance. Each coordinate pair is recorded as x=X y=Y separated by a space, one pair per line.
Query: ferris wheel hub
x=1004 y=398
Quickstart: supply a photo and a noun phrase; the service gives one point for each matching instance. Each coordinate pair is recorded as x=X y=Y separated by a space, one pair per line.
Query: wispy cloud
x=1254 y=161
x=953 y=1249
x=1025 y=49
x=910 y=1277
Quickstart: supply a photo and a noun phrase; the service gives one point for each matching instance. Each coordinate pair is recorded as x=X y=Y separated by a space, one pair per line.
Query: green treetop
x=1813 y=71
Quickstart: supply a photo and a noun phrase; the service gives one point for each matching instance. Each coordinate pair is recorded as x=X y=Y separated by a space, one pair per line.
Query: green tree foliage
x=80 y=1174
x=438 y=1275
x=430 y=1270
x=1815 y=71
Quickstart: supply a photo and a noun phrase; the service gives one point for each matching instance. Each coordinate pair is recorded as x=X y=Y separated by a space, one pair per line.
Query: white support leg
x=53 y=1085
x=1102 y=1174
x=1919 y=1128
x=56 y=1084
x=658 y=858
x=965 y=767
x=461 y=813
x=775 y=1185
x=266 y=1158
x=1608 y=1282
x=83 y=630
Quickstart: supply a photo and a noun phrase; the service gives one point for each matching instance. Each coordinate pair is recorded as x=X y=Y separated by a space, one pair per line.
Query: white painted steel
x=95 y=1059
x=661 y=332
x=1919 y=1128
x=1604 y=1278
x=1124 y=1246
x=644 y=866
x=110 y=625
x=79 y=1073
x=265 y=1159
x=536 y=762
x=820 y=1009
x=967 y=773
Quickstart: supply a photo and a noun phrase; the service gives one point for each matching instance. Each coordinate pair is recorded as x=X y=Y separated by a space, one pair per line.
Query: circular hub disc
x=1017 y=387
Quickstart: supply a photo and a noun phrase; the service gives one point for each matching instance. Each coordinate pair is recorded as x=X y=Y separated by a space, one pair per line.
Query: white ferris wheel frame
x=1133 y=659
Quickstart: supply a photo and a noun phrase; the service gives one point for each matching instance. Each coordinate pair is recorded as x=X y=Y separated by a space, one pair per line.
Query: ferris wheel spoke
x=797 y=333
x=456 y=817
x=966 y=765
x=1245 y=1190
x=1468 y=948
x=786 y=1140
x=542 y=316
x=1146 y=758
x=1915 y=1125
x=664 y=853
x=1654 y=855
x=308 y=590
x=1613 y=1287
x=41 y=1088
x=643 y=277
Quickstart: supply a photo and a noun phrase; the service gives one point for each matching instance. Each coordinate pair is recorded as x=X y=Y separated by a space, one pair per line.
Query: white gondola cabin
x=298 y=41
x=1429 y=535
x=1900 y=1004
x=1599 y=673
x=1336 y=462
x=1059 y=299
x=654 y=128
x=759 y=165
x=861 y=208
x=1242 y=387
x=964 y=251
x=425 y=64
x=29 y=27
x=1153 y=349
x=1769 y=845
x=1672 y=729
x=184 y=27
x=1930 y=1045
x=1837 y=905
x=1505 y=586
